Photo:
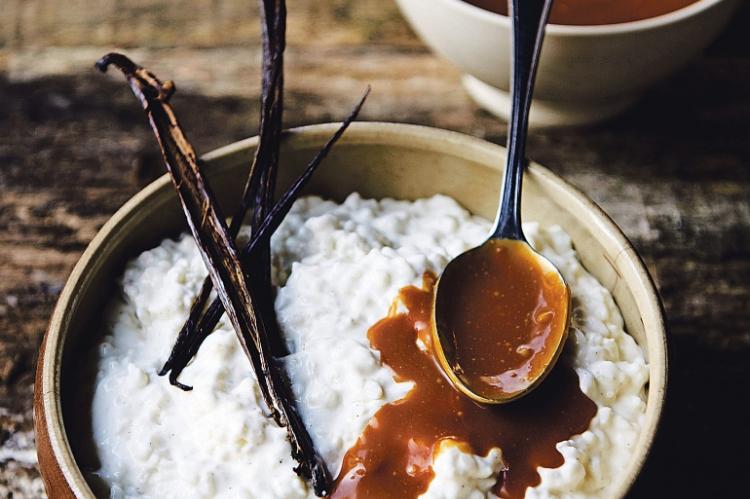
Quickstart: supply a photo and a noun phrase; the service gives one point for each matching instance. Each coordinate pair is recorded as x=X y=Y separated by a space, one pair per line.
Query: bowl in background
x=586 y=73
x=378 y=160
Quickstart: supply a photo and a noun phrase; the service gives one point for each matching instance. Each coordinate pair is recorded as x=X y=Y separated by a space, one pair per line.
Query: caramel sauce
x=393 y=456
x=596 y=12
x=502 y=315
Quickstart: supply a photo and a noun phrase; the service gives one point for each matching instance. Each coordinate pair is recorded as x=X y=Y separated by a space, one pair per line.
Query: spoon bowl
x=500 y=319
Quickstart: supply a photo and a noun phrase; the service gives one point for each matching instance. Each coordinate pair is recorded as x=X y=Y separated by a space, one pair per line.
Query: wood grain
x=674 y=173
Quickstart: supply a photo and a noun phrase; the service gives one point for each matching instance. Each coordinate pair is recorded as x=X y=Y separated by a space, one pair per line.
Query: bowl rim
x=649 y=23
x=48 y=417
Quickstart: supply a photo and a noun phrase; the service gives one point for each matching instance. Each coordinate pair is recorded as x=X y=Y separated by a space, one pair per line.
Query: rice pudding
x=338 y=268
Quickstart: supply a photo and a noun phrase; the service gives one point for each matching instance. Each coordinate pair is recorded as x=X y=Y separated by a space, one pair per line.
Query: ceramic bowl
x=378 y=160
x=586 y=73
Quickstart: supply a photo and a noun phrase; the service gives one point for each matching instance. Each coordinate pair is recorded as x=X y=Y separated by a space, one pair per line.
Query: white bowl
x=586 y=74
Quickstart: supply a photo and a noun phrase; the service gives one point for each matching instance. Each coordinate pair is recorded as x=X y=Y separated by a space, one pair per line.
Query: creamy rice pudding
x=338 y=268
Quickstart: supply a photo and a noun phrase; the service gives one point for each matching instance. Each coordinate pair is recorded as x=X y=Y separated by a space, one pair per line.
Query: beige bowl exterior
x=586 y=73
x=378 y=160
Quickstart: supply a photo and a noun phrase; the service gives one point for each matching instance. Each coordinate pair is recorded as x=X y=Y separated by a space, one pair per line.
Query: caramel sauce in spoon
x=393 y=456
x=502 y=311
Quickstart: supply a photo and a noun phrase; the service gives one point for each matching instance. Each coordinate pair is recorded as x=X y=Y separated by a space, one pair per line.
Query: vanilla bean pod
x=273 y=33
x=272 y=88
x=212 y=315
x=208 y=228
x=265 y=157
x=222 y=260
x=183 y=340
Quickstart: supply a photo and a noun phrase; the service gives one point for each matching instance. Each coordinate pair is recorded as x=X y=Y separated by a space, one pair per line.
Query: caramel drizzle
x=393 y=456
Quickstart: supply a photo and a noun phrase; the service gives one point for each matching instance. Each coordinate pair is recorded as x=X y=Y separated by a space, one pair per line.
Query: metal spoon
x=501 y=310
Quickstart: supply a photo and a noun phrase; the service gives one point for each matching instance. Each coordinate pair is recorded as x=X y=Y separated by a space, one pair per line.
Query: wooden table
x=674 y=173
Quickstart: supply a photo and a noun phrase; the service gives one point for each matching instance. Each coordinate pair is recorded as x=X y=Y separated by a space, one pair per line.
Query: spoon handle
x=528 y=18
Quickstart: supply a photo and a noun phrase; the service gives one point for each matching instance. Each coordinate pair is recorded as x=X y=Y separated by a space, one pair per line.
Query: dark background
x=673 y=172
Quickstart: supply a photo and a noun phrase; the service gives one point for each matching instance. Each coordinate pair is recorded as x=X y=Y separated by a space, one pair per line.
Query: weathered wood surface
x=674 y=172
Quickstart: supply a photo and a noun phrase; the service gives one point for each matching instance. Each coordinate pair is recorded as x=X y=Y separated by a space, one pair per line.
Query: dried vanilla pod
x=222 y=260
x=265 y=160
x=213 y=313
